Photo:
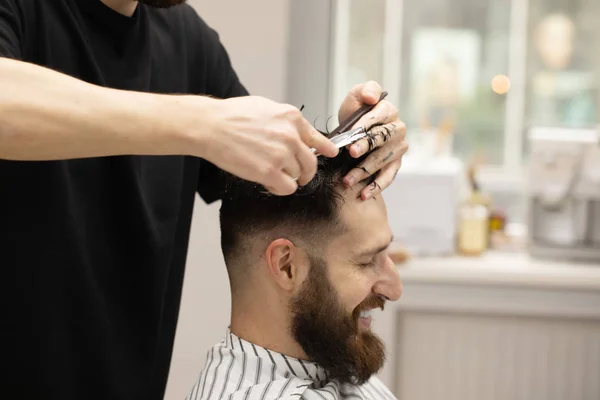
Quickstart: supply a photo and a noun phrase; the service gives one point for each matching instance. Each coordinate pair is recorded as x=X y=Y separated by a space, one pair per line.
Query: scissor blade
x=352 y=139
x=346 y=138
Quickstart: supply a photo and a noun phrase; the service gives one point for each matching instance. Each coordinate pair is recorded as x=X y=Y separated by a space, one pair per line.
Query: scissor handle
x=349 y=122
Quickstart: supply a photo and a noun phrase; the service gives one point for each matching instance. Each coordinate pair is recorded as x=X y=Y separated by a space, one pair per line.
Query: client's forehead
x=365 y=221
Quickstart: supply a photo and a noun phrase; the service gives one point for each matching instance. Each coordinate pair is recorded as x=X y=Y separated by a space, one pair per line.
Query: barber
x=113 y=114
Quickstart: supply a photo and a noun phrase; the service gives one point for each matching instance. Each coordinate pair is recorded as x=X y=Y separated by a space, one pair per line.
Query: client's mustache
x=369 y=303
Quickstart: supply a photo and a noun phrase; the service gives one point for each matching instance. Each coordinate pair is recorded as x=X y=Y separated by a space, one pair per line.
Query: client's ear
x=284 y=263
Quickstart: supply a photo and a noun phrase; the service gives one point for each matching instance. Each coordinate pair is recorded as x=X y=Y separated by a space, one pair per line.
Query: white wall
x=255 y=35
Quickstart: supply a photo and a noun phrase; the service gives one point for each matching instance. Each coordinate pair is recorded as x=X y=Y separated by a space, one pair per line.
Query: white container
x=422 y=206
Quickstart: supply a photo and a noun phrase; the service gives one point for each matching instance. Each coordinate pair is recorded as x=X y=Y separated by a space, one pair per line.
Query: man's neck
x=261 y=323
x=125 y=7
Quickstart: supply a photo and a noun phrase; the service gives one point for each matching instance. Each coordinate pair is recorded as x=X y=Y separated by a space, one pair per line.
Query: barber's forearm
x=45 y=115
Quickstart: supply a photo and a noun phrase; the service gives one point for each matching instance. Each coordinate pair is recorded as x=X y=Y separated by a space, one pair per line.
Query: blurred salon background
x=496 y=211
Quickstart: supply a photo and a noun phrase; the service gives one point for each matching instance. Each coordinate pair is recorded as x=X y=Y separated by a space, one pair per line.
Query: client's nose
x=389 y=284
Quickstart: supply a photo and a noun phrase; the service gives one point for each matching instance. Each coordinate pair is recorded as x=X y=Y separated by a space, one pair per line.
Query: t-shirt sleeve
x=10 y=29
x=221 y=82
x=210 y=59
x=211 y=183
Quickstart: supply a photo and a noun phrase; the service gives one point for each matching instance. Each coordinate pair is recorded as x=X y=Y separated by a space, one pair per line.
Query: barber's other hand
x=263 y=141
x=388 y=141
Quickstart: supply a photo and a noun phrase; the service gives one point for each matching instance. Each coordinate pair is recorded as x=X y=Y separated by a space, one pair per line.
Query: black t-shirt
x=93 y=251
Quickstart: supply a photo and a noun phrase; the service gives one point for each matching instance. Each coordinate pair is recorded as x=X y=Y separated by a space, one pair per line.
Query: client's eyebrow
x=373 y=251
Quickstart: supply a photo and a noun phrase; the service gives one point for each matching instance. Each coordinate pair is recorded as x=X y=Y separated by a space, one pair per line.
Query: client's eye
x=368 y=264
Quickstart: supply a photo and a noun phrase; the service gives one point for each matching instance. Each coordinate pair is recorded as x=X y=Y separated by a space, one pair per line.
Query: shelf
x=503 y=269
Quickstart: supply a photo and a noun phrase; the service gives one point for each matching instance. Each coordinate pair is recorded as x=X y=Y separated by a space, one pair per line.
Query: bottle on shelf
x=473 y=220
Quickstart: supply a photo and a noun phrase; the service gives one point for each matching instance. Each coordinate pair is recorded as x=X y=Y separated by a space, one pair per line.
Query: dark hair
x=307 y=215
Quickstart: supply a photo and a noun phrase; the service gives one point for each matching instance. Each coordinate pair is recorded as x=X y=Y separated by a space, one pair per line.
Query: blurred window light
x=500 y=84
x=485 y=70
x=563 y=65
x=452 y=51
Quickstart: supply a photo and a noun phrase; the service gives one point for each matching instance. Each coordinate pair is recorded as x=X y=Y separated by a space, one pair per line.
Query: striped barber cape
x=238 y=370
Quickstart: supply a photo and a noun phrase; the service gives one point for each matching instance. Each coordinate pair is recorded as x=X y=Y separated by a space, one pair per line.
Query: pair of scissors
x=348 y=137
x=343 y=135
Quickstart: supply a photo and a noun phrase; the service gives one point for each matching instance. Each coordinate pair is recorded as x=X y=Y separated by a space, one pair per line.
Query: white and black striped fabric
x=239 y=370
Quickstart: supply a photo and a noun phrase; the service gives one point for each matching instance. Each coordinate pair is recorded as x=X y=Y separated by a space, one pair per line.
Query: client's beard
x=161 y=3
x=329 y=336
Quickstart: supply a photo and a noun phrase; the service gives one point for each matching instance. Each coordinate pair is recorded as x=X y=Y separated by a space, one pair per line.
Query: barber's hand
x=388 y=140
x=266 y=142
